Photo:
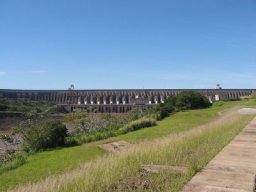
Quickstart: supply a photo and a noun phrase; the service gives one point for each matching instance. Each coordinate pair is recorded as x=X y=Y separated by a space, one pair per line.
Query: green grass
x=44 y=164
x=181 y=121
x=110 y=173
x=41 y=165
x=178 y=122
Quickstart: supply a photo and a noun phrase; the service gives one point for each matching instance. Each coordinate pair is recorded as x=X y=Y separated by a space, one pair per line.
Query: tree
x=191 y=100
x=44 y=135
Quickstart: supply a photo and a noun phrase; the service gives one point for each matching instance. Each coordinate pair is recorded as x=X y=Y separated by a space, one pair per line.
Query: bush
x=44 y=135
x=138 y=124
x=134 y=114
x=191 y=100
x=165 y=111
x=71 y=141
x=183 y=101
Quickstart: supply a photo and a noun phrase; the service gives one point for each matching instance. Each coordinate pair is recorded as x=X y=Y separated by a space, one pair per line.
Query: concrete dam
x=116 y=100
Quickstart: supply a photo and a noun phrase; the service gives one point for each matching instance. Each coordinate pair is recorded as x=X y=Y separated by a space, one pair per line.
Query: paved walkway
x=233 y=169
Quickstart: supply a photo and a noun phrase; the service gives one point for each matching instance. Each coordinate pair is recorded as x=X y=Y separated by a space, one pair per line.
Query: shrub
x=138 y=124
x=183 y=101
x=165 y=111
x=191 y=100
x=71 y=141
x=44 y=135
x=134 y=114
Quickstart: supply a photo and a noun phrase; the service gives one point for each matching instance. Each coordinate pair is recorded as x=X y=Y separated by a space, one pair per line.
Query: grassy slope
x=47 y=163
x=182 y=121
x=193 y=149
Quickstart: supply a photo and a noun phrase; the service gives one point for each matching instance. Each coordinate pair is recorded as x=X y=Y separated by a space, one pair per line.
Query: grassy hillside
x=44 y=164
x=193 y=149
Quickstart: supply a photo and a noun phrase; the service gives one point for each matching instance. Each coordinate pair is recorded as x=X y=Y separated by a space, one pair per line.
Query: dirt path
x=233 y=169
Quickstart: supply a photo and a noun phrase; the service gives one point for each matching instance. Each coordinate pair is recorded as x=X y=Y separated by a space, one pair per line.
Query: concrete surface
x=233 y=169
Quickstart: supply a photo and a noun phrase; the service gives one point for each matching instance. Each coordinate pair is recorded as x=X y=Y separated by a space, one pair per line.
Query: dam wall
x=117 y=100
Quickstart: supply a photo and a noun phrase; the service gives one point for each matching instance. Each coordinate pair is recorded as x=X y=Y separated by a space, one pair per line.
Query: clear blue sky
x=50 y=44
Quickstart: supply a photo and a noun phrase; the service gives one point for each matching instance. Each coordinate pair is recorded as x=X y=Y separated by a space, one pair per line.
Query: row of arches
x=117 y=96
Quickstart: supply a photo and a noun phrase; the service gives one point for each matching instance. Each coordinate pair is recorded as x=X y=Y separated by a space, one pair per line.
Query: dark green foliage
x=191 y=100
x=164 y=112
x=44 y=135
x=71 y=141
x=182 y=101
x=165 y=109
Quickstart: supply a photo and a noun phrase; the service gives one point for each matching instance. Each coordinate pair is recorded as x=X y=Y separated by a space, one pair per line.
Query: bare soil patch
x=247 y=111
x=116 y=147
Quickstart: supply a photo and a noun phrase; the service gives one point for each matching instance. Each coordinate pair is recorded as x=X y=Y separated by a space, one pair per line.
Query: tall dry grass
x=193 y=148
